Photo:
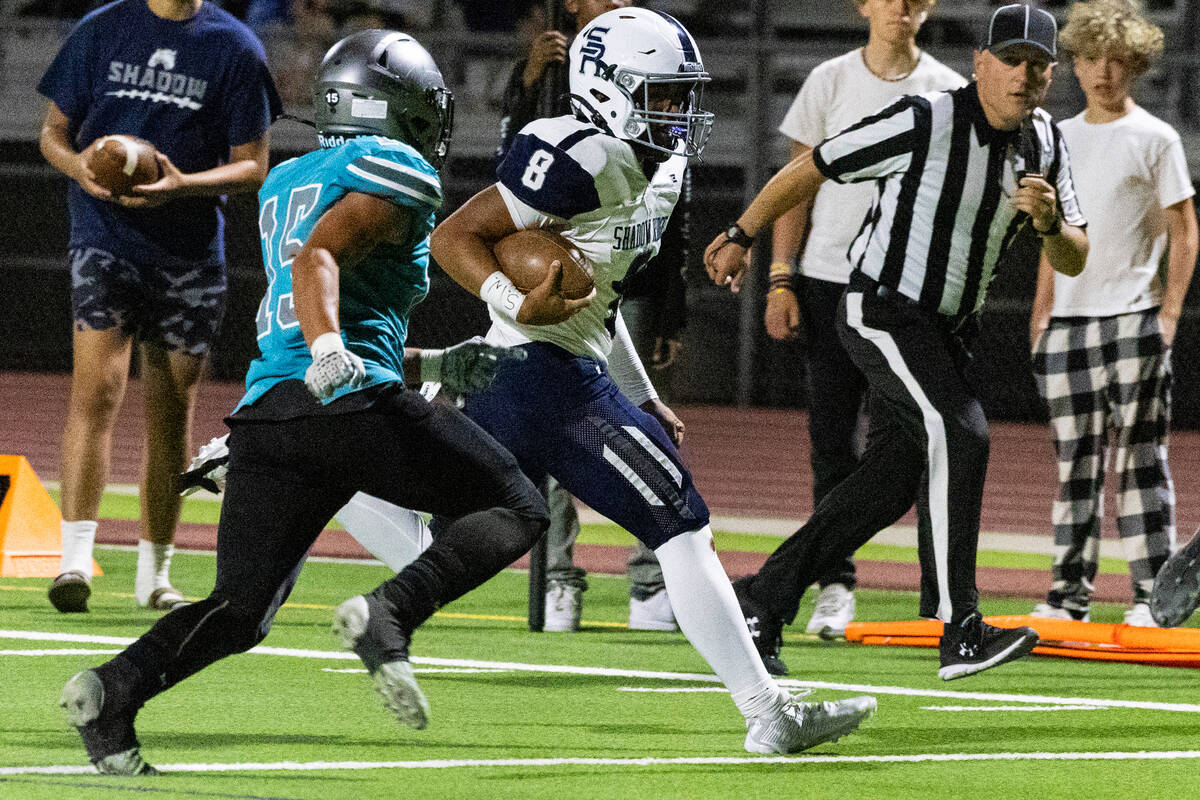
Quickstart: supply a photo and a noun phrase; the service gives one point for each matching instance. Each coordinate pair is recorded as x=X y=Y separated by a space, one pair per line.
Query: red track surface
x=746 y=463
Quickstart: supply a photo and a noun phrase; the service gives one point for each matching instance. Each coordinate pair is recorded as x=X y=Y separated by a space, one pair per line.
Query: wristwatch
x=735 y=234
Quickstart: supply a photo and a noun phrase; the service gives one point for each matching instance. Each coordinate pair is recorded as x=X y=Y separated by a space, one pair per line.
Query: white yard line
x=801 y=760
x=567 y=669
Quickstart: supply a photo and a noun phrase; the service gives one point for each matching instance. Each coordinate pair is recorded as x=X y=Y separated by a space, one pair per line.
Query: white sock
x=709 y=615
x=394 y=535
x=153 y=569
x=78 y=539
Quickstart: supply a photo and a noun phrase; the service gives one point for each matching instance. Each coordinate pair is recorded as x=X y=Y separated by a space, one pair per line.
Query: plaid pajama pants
x=1106 y=378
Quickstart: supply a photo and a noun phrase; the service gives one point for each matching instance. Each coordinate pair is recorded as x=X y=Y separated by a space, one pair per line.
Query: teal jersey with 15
x=377 y=293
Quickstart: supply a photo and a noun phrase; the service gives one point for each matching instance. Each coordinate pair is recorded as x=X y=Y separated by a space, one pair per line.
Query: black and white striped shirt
x=943 y=214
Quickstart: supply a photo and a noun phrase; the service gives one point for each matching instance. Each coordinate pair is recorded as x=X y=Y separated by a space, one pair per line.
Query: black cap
x=1021 y=24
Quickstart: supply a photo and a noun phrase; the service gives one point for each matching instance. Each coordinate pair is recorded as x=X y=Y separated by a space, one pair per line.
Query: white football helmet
x=625 y=59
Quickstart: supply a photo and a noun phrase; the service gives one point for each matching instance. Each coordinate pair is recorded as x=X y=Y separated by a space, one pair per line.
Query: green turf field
x=548 y=715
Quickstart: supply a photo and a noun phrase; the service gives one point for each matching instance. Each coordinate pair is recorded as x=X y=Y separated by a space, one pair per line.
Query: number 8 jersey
x=379 y=292
x=565 y=172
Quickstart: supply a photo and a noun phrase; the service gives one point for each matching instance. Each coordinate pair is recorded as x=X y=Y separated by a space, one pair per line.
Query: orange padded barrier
x=30 y=539
x=1177 y=647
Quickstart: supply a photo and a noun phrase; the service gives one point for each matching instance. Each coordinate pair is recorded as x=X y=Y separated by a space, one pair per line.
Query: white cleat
x=652 y=614
x=799 y=726
x=394 y=680
x=834 y=611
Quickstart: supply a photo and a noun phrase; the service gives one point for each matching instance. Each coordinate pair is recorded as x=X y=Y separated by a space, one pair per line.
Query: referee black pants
x=927 y=433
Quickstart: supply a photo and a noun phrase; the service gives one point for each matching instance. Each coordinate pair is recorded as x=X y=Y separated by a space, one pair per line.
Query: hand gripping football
x=525 y=258
x=120 y=162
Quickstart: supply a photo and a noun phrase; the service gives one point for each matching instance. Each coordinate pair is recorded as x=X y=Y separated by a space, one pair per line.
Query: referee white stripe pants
x=928 y=435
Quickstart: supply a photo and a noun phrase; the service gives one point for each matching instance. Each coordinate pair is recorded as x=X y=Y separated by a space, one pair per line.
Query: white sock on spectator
x=153 y=569
x=78 y=539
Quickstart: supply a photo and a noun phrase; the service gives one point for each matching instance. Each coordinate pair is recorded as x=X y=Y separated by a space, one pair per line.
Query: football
x=121 y=162
x=525 y=258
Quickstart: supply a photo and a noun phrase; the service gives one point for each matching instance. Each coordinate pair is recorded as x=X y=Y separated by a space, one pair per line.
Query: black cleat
x=363 y=625
x=107 y=731
x=972 y=646
x=70 y=591
x=766 y=630
x=1176 y=591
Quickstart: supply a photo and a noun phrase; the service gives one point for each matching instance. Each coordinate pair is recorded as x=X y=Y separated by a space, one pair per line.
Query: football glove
x=333 y=366
x=467 y=366
x=208 y=468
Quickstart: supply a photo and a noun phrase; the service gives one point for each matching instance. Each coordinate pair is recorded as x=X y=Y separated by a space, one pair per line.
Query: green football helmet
x=383 y=83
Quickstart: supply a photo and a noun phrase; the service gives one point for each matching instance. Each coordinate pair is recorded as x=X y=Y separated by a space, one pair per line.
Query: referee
x=958 y=175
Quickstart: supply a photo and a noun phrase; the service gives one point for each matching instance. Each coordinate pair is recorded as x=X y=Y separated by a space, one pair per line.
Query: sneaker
x=834 y=611
x=363 y=625
x=766 y=630
x=166 y=598
x=652 y=614
x=1140 y=616
x=799 y=726
x=1176 y=591
x=208 y=469
x=1047 y=611
x=107 y=733
x=973 y=646
x=70 y=591
x=564 y=605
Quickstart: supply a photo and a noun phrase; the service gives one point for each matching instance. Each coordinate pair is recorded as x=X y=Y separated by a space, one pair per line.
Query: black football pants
x=287 y=479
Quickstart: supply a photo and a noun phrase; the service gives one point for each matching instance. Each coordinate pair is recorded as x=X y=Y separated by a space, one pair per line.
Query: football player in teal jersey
x=345 y=245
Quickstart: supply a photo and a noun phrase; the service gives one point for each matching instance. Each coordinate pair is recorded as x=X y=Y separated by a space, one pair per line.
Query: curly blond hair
x=1113 y=27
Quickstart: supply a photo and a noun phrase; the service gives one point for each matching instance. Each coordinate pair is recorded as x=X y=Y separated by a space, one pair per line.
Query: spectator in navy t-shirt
x=191 y=79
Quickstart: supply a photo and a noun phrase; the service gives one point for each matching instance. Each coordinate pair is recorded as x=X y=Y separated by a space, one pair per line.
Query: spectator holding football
x=192 y=80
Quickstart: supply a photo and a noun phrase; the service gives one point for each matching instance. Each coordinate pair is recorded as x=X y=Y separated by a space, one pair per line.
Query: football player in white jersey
x=607 y=178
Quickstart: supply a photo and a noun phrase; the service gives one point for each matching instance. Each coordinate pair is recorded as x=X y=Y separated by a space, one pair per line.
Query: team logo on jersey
x=593 y=50
x=164 y=58
x=331 y=99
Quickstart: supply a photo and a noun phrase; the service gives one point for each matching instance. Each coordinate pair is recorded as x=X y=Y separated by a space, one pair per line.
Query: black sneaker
x=972 y=646
x=1176 y=591
x=363 y=625
x=106 y=728
x=766 y=630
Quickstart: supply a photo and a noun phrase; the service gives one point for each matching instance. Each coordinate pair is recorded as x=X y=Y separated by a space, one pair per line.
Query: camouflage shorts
x=178 y=306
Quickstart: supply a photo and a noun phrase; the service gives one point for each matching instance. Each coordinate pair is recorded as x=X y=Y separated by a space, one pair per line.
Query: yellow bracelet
x=778 y=289
x=781 y=268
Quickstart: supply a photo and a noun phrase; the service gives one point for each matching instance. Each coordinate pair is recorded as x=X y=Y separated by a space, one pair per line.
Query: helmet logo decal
x=331 y=99
x=593 y=50
x=366 y=108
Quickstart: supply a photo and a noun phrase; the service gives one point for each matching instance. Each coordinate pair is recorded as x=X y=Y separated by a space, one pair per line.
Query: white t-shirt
x=835 y=95
x=1126 y=172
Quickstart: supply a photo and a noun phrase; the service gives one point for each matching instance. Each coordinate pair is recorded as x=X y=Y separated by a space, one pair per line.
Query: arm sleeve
x=626 y=368
x=878 y=145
